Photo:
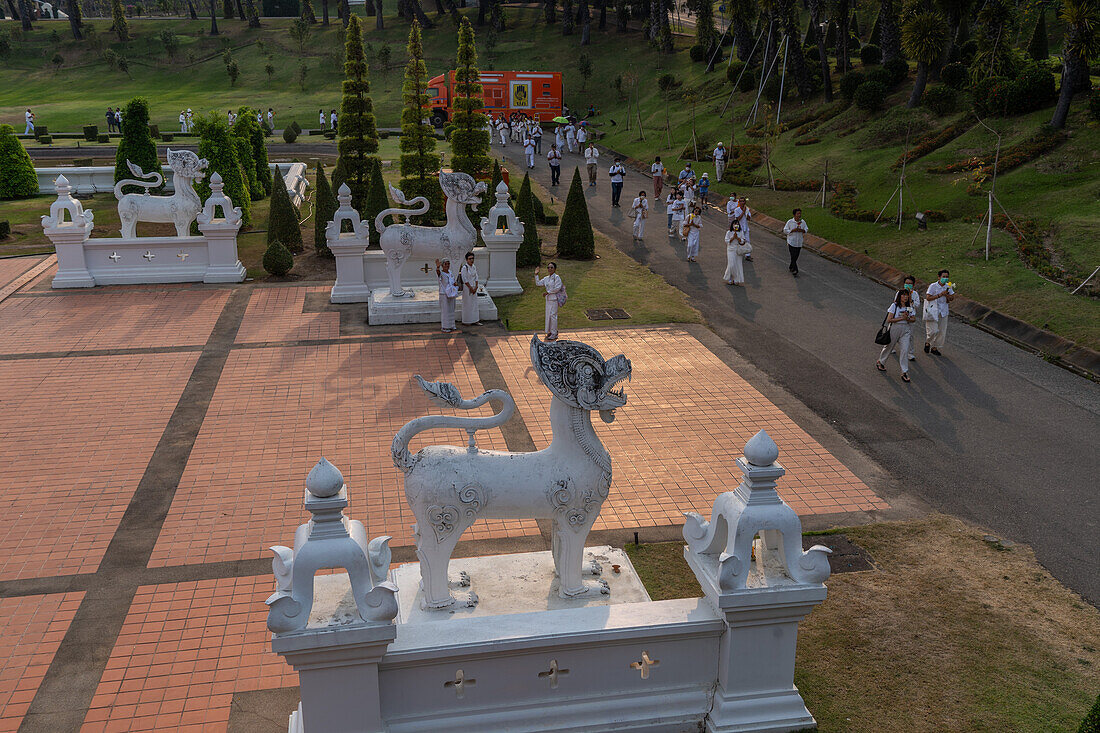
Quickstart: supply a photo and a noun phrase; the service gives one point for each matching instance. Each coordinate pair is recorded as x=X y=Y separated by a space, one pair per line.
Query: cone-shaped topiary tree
x=419 y=161
x=216 y=145
x=1039 y=47
x=1091 y=723
x=489 y=197
x=277 y=259
x=137 y=144
x=529 y=254
x=575 y=239
x=17 y=177
x=338 y=176
x=118 y=22
x=282 y=220
x=243 y=149
x=469 y=137
x=247 y=127
x=307 y=12
x=358 y=134
x=324 y=210
x=376 y=199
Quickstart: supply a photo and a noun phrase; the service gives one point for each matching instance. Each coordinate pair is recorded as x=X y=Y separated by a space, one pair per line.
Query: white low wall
x=92 y=179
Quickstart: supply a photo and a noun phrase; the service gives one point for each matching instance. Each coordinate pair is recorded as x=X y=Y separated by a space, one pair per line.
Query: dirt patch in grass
x=950 y=632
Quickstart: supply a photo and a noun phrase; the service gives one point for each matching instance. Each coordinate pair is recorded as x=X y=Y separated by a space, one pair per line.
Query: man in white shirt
x=591 y=158
x=617 y=172
x=29 y=117
x=657 y=170
x=183 y=121
x=582 y=135
x=571 y=137
x=529 y=150
x=686 y=173
x=502 y=131
x=553 y=157
x=719 y=161
x=536 y=135
x=332 y=119
x=795 y=229
x=731 y=207
x=271 y=119
x=936 y=312
x=553 y=284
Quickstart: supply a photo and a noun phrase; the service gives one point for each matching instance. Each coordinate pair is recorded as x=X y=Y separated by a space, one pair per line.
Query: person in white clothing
x=536 y=135
x=909 y=285
x=502 y=131
x=554 y=286
x=321 y=119
x=448 y=291
x=553 y=157
x=571 y=137
x=29 y=117
x=719 y=161
x=694 y=225
x=183 y=121
x=735 y=253
x=901 y=315
x=640 y=210
x=591 y=158
x=677 y=211
x=744 y=216
x=559 y=137
x=616 y=171
x=471 y=315
x=582 y=135
x=332 y=120
x=794 y=230
x=657 y=170
x=271 y=119
x=936 y=312
x=529 y=150
x=731 y=207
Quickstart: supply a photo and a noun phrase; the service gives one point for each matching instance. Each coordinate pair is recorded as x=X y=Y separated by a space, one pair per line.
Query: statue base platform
x=421 y=307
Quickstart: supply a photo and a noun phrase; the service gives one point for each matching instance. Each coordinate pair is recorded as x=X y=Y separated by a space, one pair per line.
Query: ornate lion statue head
x=461 y=187
x=579 y=376
x=186 y=163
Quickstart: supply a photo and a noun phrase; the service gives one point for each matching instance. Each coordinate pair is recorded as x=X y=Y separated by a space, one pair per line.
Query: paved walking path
x=987 y=432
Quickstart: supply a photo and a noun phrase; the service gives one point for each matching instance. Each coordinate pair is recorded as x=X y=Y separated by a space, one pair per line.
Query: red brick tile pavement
x=277 y=410
x=275 y=314
x=12 y=267
x=31 y=628
x=184 y=650
x=109 y=319
x=687 y=419
x=75 y=437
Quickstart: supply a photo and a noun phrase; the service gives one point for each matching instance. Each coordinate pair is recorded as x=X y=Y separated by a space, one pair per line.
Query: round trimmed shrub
x=880 y=75
x=1036 y=88
x=849 y=83
x=967 y=51
x=103 y=138
x=773 y=85
x=91 y=132
x=899 y=70
x=17 y=177
x=955 y=76
x=733 y=71
x=698 y=53
x=46 y=139
x=870 y=55
x=991 y=95
x=289 y=135
x=277 y=259
x=941 y=99
x=748 y=81
x=870 y=95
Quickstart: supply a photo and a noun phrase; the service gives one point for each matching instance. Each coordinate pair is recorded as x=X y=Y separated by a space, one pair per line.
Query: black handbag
x=882 y=338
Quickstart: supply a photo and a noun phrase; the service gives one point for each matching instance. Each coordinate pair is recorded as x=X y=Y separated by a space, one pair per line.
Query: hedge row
x=1043 y=141
x=934 y=140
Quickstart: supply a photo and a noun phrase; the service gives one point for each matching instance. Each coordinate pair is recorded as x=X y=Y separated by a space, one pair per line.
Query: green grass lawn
x=947 y=633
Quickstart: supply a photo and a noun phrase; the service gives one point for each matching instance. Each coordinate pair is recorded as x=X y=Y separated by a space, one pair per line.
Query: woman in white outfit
x=901 y=316
x=471 y=315
x=735 y=253
x=640 y=208
x=559 y=137
x=677 y=211
x=448 y=292
x=694 y=225
x=553 y=285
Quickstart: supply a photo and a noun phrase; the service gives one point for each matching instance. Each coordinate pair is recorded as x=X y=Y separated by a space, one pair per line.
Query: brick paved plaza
x=156 y=439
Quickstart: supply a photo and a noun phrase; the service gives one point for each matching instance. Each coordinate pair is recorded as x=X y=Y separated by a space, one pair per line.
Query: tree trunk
x=843 y=10
x=14 y=12
x=324 y=12
x=622 y=15
x=815 y=37
x=74 y=19
x=345 y=13
x=253 y=16
x=191 y=10
x=549 y=15
x=482 y=12
x=453 y=10
x=654 y=20
x=1071 y=73
x=213 y=17
x=918 y=85
x=240 y=11
x=586 y=23
x=602 y=4
x=888 y=31
x=379 y=24
x=25 y=15
x=419 y=14
x=567 y=17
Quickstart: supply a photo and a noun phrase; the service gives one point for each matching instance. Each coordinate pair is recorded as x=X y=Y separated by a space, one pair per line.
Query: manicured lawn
x=947 y=633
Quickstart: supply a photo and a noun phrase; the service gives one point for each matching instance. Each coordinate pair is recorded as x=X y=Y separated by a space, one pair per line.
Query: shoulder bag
x=882 y=338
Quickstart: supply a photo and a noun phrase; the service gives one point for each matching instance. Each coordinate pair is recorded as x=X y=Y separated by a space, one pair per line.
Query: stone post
x=502 y=245
x=68 y=237
x=763 y=588
x=348 y=249
x=221 y=235
x=333 y=629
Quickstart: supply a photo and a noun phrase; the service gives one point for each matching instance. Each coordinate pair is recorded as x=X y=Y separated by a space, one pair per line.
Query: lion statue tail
x=419 y=202
x=137 y=171
x=445 y=394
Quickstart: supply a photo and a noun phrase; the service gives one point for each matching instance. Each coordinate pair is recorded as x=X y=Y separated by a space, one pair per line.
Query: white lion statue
x=449 y=488
x=180 y=208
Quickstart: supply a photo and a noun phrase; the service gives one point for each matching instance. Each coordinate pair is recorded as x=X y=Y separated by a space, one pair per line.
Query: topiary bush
x=1036 y=88
x=324 y=212
x=870 y=95
x=698 y=53
x=733 y=71
x=277 y=259
x=899 y=70
x=849 y=83
x=529 y=254
x=289 y=135
x=955 y=76
x=103 y=138
x=773 y=86
x=91 y=132
x=137 y=144
x=5 y=229
x=748 y=81
x=296 y=127
x=167 y=137
x=219 y=149
x=1091 y=723
x=17 y=176
x=282 y=220
x=40 y=130
x=575 y=238
x=941 y=99
x=870 y=55
x=879 y=75
x=46 y=139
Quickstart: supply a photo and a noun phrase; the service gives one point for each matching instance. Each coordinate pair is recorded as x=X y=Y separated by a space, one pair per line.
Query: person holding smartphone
x=901 y=315
x=936 y=312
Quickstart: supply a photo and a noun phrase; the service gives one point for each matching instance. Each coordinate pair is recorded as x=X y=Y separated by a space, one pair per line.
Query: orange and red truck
x=538 y=94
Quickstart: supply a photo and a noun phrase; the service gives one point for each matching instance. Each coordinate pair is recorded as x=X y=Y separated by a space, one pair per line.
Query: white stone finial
x=216 y=182
x=61 y=184
x=324 y=480
x=343 y=195
x=761 y=450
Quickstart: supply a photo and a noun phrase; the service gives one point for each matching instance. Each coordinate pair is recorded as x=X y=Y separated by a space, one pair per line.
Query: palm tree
x=922 y=37
x=1082 y=42
x=889 y=38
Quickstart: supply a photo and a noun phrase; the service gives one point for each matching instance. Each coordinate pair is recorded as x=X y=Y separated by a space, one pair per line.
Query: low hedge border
x=933 y=141
x=1045 y=140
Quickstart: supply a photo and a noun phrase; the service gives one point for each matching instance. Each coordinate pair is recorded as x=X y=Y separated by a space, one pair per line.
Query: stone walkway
x=157 y=439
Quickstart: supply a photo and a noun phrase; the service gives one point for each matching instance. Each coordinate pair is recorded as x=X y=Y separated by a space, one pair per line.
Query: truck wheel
x=438 y=119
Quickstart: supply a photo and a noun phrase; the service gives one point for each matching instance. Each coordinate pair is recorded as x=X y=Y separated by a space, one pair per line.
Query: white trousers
x=719 y=169
x=639 y=227
x=552 y=314
x=530 y=160
x=471 y=311
x=503 y=137
x=30 y=128
x=935 y=332
x=900 y=336
x=572 y=144
x=447 y=311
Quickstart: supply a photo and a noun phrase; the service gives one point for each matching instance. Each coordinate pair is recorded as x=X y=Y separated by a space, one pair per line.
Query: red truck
x=538 y=94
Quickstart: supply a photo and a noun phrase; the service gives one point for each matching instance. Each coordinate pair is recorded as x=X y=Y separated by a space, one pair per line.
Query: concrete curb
x=1052 y=347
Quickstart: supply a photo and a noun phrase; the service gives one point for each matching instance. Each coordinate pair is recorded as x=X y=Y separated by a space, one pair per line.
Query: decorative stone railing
x=83 y=262
x=92 y=179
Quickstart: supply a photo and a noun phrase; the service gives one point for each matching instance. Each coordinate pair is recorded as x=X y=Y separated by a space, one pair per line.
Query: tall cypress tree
x=1039 y=47
x=358 y=134
x=323 y=212
x=118 y=21
x=419 y=162
x=528 y=254
x=575 y=238
x=469 y=138
x=282 y=221
x=247 y=127
x=376 y=199
x=217 y=146
x=137 y=144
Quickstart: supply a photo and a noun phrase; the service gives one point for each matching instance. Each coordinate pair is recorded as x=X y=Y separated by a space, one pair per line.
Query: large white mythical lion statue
x=453 y=240
x=449 y=488
x=180 y=208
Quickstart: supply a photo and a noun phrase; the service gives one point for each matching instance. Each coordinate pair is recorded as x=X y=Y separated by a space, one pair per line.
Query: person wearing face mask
x=910 y=286
x=448 y=292
x=936 y=311
x=901 y=315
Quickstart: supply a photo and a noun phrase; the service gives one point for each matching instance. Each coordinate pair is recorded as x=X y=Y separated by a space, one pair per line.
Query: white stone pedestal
x=422 y=307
